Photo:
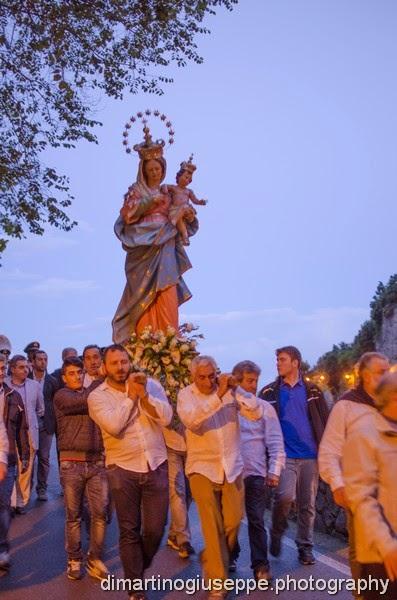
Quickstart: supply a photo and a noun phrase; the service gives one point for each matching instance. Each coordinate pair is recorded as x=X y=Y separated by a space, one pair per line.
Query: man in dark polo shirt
x=303 y=413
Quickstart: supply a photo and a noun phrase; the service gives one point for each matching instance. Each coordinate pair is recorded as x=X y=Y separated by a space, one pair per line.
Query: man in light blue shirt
x=262 y=449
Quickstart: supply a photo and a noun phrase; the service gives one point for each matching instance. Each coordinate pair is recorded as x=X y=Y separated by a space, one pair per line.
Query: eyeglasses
x=5 y=352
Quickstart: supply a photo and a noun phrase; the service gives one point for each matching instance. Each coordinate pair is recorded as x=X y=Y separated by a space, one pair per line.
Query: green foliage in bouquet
x=165 y=356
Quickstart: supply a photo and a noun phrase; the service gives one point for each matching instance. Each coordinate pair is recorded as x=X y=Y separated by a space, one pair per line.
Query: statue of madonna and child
x=154 y=226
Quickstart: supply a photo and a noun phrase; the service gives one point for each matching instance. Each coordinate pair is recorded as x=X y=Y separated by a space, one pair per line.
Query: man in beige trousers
x=209 y=409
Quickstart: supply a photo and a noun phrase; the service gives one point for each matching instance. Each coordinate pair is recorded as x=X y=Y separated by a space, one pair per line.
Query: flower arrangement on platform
x=165 y=356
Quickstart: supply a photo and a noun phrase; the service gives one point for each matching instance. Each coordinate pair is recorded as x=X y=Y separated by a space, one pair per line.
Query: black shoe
x=4 y=561
x=185 y=550
x=262 y=573
x=306 y=557
x=20 y=510
x=74 y=569
x=232 y=565
x=275 y=544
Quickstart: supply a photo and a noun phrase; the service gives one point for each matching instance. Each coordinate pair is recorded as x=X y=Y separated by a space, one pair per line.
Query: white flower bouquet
x=165 y=356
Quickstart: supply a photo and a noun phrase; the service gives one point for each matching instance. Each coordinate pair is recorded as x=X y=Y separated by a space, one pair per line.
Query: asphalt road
x=39 y=562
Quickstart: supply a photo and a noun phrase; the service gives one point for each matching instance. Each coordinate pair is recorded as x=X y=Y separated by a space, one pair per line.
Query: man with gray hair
x=351 y=408
x=369 y=477
x=210 y=408
x=262 y=448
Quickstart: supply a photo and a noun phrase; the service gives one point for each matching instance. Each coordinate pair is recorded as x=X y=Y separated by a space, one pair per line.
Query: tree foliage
x=336 y=362
x=384 y=302
x=343 y=357
x=56 y=58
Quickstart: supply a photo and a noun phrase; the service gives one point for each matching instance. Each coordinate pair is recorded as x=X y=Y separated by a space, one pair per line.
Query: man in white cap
x=5 y=346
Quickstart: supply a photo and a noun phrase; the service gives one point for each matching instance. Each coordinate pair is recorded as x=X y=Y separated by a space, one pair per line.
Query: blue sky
x=292 y=119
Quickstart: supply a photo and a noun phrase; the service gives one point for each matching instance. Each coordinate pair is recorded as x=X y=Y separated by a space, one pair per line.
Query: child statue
x=181 y=196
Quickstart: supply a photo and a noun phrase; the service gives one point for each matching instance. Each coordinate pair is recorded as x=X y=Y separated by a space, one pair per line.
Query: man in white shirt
x=210 y=408
x=92 y=360
x=262 y=447
x=47 y=425
x=346 y=416
x=130 y=411
x=33 y=401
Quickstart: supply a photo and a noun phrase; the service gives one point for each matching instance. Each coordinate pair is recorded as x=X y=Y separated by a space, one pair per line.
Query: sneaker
x=232 y=565
x=171 y=542
x=262 y=574
x=74 y=570
x=42 y=496
x=306 y=557
x=97 y=569
x=186 y=550
x=275 y=544
x=4 y=561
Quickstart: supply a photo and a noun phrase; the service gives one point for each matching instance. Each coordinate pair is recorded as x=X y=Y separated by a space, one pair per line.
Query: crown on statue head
x=149 y=149
x=188 y=165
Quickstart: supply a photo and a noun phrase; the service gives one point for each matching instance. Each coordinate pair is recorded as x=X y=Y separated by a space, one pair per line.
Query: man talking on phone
x=210 y=408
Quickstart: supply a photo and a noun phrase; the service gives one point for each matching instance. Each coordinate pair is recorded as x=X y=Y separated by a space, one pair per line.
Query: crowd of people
x=121 y=444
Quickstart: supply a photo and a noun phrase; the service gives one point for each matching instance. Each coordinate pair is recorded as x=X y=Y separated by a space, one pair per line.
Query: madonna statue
x=155 y=256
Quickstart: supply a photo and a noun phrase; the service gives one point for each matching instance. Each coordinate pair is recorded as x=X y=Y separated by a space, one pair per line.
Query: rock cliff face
x=330 y=518
x=386 y=341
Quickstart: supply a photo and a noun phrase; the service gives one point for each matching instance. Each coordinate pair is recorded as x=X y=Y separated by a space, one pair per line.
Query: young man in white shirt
x=131 y=411
x=47 y=425
x=210 y=408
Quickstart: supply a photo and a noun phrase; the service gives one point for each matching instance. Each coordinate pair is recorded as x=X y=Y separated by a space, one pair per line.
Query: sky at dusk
x=292 y=120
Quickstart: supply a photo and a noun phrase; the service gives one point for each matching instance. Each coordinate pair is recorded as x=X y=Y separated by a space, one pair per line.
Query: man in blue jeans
x=303 y=413
x=131 y=411
x=12 y=414
x=262 y=449
x=82 y=468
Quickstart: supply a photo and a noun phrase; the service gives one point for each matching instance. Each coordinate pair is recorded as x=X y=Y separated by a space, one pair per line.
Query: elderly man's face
x=205 y=379
x=249 y=382
x=373 y=373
